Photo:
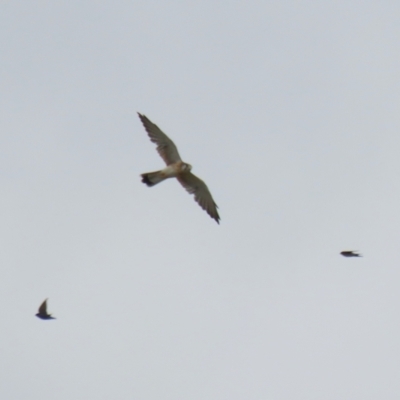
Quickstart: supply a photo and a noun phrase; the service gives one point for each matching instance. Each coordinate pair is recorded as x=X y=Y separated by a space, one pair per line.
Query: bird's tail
x=152 y=178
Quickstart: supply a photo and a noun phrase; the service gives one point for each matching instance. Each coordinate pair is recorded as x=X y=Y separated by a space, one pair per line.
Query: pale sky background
x=290 y=111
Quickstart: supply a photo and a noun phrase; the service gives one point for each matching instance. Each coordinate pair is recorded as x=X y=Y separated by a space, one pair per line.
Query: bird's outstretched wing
x=165 y=146
x=202 y=195
x=43 y=308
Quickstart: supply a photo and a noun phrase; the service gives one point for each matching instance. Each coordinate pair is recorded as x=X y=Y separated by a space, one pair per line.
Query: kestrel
x=350 y=253
x=42 y=312
x=176 y=168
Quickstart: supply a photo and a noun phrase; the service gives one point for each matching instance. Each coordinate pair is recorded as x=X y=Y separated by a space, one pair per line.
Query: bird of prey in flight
x=176 y=168
x=350 y=253
x=42 y=312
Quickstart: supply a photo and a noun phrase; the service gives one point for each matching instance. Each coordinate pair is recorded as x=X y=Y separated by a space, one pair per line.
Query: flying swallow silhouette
x=42 y=312
x=350 y=253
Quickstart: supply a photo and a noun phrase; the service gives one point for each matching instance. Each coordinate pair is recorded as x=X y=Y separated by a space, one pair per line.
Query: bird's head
x=186 y=167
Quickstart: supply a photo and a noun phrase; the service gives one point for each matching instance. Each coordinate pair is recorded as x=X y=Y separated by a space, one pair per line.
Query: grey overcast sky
x=289 y=111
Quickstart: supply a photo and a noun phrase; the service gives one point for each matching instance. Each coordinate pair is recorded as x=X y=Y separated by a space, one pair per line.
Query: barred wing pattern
x=202 y=195
x=165 y=146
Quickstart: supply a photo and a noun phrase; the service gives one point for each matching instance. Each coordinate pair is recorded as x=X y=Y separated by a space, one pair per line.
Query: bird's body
x=176 y=168
x=42 y=312
x=350 y=253
x=171 y=171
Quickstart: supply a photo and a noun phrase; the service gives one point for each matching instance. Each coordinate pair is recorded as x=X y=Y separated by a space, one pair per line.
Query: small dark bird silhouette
x=350 y=253
x=42 y=312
